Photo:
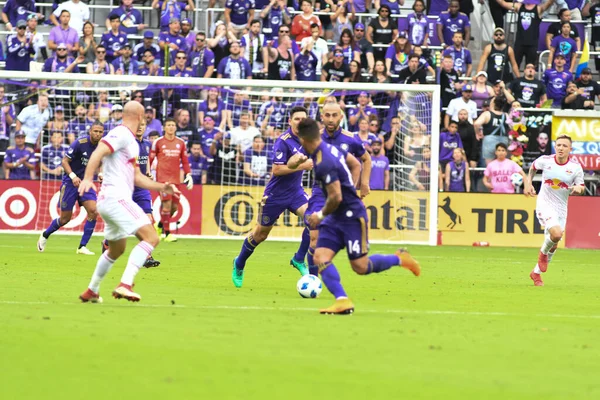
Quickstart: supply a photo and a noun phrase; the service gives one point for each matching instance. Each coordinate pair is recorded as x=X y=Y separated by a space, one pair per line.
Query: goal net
x=230 y=127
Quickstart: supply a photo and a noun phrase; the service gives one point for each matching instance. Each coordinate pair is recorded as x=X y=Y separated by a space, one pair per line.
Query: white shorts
x=122 y=217
x=549 y=218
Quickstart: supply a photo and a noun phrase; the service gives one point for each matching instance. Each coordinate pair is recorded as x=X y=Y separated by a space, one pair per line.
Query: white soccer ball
x=516 y=179
x=309 y=286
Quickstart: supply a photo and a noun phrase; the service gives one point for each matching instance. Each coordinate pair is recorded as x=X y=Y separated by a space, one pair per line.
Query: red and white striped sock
x=136 y=260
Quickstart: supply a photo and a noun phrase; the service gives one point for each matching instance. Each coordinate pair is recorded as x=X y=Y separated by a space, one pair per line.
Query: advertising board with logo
x=584 y=129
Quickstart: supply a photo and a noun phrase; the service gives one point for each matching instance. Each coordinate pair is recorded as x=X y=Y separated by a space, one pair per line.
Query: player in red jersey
x=170 y=153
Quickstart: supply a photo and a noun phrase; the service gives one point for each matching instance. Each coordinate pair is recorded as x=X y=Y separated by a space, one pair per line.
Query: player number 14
x=354 y=247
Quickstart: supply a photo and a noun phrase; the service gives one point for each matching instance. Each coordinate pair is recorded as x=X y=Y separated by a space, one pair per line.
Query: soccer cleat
x=300 y=266
x=90 y=297
x=340 y=307
x=151 y=262
x=41 y=243
x=170 y=238
x=536 y=278
x=124 y=292
x=543 y=262
x=237 y=275
x=84 y=250
x=406 y=261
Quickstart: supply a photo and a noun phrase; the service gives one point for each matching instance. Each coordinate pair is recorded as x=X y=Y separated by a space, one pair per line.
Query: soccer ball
x=309 y=286
x=516 y=179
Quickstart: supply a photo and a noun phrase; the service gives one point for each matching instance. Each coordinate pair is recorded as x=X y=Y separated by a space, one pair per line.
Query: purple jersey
x=206 y=139
x=18 y=9
x=438 y=6
x=239 y=10
x=556 y=85
x=142 y=196
x=379 y=165
x=311 y=106
x=462 y=58
x=393 y=5
x=14 y=154
x=54 y=64
x=449 y=142
x=418 y=26
x=369 y=140
x=79 y=127
x=18 y=54
x=450 y=25
x=144 y=155
x=178 y=40
x=52 y=158
x=130 y=18
x=564 y=46
x=154 y=125
x=79 y=153
x=285 y=186
x=354 y=110
x=4 y=128
x=237 y=109
x=272 y=22
x=230 y=68
x=360 y=6
x=215 y=113
x=67 y=36
x=200 y=61
x=457 y=176
x=278 y=117
x=129 y=67
x=196 y=166
x=173 y=9
x=306 y=67
x=113 y=43
x=140 y=49
x=399 y=61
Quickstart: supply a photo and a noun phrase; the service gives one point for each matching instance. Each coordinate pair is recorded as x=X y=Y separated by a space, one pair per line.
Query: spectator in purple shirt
x=237 y=105
x=171 y=40
x=363 y=109
x=188 y=33
x=152 y=124
x=15 y=10
x=18 y=49
x=7 y=116
x=463 y=63
x=146 y=44
x=19 y=160
x=418 y=25
x=197 y=161
x=125 y=65
x=257 y=163
x=566 y=46
x=449 y=140
x=114 y=39
x=132 y=20
x=274 y=15
x=171 y=9
x=52 y=155
x=234 y=66
x=63 y=33
x=214 y=108
x=80 y=125
x=380 y=167
x=452 y=21
x=206 y=135
x=306 y=63
x=238 y=14
x=201 y=59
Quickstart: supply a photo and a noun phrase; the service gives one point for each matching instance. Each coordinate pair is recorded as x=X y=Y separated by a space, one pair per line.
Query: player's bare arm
x=334 y=198
x=279 y=170
x=296 y=160
x=93 y=164
x=142 y=181
x=529 y=190
x=354 y=167
x=66 y=164
x=365 y=175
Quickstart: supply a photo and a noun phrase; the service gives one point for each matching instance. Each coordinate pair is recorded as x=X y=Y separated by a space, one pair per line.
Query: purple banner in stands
x=580 y=26
x=433 y=37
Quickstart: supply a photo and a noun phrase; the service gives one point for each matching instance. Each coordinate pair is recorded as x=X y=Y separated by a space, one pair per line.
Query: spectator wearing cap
x=19 y=161
x=556 y=80
x=234 y=66
x=257 y=163
x=556 y=29
x=61 y=61
x=78 y=10
x=52 y=155
x=367 y=61
x=380 y=167
x=415 y=73
x=114 y=39
x=280 y=62
x=528 y=90
x=149 y=65
x=301 y=23
x=565 y=45
x=463 y=63
x=382 y=30
x=201 y=59
x=15 y=10
x=115 y=119
x=590 y=87
x=396 y=55
x=336 y=70
x=32 y=120
x=18 y=49
x=463 y=102
x=238 y=15
x=146 y=44
x=187 y=32
x=251 y=45
x=152 y=124
x=213 y=107
x=418 y=25
x=87 y=43
x=273 y=16
x=171 y=41
x=452 y=21
x=125 y=65
x=171 y=9
x=362 y=109
x=100 y=64
x=500 y=58
x=80 y=125
x=132 y=20
x=36 y=38
x=481 y=90
x=64 y=33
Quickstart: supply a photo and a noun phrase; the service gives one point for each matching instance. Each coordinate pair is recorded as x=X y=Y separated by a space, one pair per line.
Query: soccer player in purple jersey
x=331 y=117
x=283 y=192
x=74 y=163
x=342 y=221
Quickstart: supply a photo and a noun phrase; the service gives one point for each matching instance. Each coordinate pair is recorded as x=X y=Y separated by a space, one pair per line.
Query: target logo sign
x=77 y=219
x=182 y=215
x=18 y=207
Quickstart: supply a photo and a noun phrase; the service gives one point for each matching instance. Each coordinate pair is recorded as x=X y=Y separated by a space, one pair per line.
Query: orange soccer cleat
x=536 y=278
x=543 y=262
x=406 y=261
x=125 y=292
x=90 y=296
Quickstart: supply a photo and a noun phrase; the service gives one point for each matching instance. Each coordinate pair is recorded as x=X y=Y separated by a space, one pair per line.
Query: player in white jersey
x=118 y=152
x=561 y=177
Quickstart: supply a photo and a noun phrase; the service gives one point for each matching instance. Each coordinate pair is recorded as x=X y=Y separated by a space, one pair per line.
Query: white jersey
x=119 y=167
x=557 y=180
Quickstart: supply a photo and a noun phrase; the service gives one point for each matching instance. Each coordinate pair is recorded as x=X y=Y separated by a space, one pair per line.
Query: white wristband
x=320 y=215
x=72 y=175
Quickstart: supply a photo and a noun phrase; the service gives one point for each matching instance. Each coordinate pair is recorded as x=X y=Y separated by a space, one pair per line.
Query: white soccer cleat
x=124 y=292
x=41 y=243
x=84 y=250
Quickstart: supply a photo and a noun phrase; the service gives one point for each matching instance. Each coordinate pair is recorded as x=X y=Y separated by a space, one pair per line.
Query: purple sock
x=247 y=250
x=54 y=226
x=304 y=244
x=382 y=262
x=331 y=279
x=88 y=229
x=312 y=268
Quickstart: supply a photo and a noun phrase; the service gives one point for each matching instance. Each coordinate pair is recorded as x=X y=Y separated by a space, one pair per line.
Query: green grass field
x=471 y=327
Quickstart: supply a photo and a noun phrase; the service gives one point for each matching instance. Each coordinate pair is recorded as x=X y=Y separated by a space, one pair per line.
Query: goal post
x=237 y=168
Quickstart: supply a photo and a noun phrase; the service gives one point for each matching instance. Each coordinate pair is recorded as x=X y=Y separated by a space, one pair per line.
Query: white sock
x=548 y=244
x=550 y=255
x=136 y=260
x=103 y=265
x=537 y=269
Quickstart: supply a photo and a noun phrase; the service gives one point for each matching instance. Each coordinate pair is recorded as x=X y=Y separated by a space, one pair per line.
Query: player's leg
x=150 y=261
x=88 y=228
x=68 y=197
x=552 y=235
x=314 y=205
x=165 y=214
x=169 y=237
x=103 y=266
x=297 y=260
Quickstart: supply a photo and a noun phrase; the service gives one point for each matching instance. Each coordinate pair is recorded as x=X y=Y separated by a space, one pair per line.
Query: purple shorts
x=335 y=234
x=69 y=194
x=142 y=198
x=315 y=203
x=270 y=208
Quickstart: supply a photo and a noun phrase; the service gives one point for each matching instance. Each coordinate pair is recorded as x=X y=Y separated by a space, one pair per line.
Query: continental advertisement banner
x=499 y=219
x=233 y=211
x=584 y=129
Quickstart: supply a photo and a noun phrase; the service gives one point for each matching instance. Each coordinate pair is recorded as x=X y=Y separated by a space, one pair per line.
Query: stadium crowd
x=229 y=135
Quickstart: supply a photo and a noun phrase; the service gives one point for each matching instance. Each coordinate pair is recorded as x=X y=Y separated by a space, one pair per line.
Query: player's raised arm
x=142 y=181
x=296 y=160
x=529 y=190
x=93 y=164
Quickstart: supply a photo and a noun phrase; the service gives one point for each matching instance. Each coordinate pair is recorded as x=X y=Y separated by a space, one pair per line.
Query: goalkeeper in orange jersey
x=170 y=153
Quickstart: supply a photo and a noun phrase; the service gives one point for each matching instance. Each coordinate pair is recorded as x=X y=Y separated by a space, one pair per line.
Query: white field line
x=261 y=308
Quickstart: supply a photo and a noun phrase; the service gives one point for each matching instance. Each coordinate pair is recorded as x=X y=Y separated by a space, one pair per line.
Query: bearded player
x=170 y=152
x=331 y=116
x=561 y=176
x=283 y=192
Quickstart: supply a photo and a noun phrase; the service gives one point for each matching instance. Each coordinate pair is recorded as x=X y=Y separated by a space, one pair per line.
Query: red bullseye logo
x=183 y=211
x=79 y=213
x=17 y=207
